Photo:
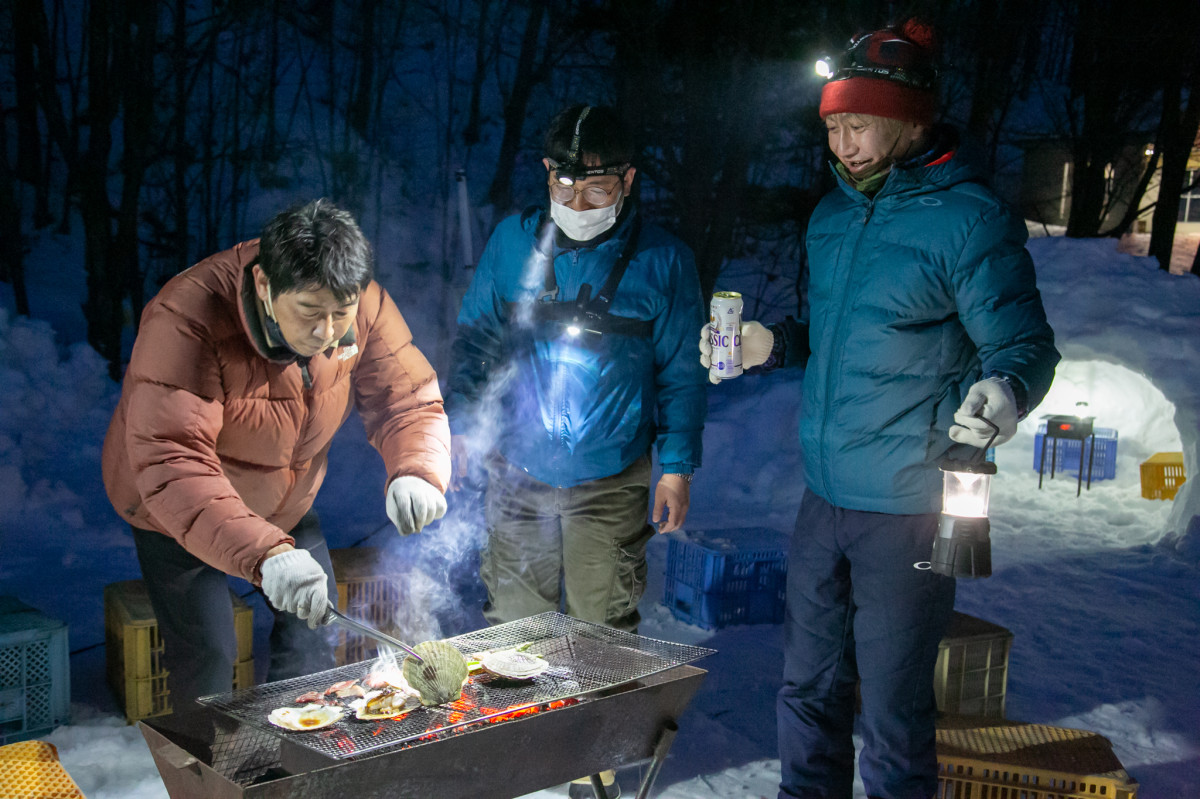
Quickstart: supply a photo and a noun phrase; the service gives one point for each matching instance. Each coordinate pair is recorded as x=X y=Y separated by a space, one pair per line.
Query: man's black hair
x=602 y=134
x=316 y=246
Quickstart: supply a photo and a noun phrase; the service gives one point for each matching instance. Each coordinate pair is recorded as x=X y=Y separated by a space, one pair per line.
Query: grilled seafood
x=513 y=664
x=386 y=704
x=309 y=717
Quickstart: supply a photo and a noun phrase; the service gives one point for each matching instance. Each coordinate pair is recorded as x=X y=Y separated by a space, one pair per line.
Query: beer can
x=725 y=334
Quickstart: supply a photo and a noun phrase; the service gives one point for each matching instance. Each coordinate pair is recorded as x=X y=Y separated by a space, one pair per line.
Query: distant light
x=824 y=67
x=1149 y=151
x=573 y=330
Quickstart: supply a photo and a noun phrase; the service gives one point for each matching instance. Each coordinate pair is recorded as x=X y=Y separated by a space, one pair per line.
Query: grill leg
x=598 y=787
x=1042 y=460
x=1091 y=456
x=660 y=754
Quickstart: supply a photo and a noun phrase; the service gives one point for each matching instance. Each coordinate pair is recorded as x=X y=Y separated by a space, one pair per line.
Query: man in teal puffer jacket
x=924 y=319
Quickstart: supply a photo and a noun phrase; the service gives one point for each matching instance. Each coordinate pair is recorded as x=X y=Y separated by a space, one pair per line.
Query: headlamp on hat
x=572 y=169
x=884 y=55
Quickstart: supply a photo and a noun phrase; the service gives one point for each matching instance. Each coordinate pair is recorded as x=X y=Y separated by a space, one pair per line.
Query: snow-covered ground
x=1101 y=590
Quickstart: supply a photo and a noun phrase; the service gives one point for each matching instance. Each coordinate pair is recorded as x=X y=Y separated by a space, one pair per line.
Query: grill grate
x=584 y=658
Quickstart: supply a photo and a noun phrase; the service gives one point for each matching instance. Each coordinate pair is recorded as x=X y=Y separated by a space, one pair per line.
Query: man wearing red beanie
x=924 y=321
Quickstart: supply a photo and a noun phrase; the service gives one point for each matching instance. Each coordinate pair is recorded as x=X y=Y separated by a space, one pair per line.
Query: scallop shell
x=302 y=719
x=513 y=664
x=440 y=675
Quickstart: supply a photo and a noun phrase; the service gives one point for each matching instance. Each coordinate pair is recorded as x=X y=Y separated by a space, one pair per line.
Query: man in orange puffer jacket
x=244 y=368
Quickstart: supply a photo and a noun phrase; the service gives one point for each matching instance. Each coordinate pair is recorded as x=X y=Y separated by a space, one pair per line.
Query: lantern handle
x=982 y=453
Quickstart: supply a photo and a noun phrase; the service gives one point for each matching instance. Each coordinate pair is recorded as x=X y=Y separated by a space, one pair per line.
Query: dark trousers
x=195 y=617
x=581 y=549
x=857 y=609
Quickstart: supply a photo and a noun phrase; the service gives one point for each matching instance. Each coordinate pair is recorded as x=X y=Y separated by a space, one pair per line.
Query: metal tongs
x=332 y=616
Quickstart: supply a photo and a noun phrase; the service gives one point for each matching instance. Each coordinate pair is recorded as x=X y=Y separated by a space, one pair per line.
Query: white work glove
x=757 y=342
x=990 y=399
x=413 y=503
x=294 y=582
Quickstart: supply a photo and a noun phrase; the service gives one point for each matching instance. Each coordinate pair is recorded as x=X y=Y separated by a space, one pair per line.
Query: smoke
x=436 y=572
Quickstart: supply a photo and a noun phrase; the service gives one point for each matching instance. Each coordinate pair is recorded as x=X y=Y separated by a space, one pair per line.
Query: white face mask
x=585 y=225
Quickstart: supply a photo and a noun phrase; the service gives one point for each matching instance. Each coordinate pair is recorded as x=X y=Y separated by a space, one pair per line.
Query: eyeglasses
x=565 y=193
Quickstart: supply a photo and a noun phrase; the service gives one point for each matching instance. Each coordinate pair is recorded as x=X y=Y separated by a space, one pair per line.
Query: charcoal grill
x=608 y=699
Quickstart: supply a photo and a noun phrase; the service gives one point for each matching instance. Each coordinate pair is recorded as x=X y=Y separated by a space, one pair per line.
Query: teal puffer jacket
x=571 y=409
x=914 y=294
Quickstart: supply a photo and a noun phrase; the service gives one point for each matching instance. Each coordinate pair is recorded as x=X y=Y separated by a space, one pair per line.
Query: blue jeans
x=195 y=617
x=857 y=610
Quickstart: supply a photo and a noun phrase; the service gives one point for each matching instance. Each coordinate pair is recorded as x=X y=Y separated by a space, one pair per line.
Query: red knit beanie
x=887 y=73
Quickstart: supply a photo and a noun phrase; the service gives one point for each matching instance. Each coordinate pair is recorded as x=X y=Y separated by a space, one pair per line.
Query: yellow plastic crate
x=369 y=591
x=30 y=770
x=135 y=649
x=1162 y=475
x=991 y=759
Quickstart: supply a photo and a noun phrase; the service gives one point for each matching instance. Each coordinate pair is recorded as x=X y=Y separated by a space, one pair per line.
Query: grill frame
x=585 y=659
x=621 y=727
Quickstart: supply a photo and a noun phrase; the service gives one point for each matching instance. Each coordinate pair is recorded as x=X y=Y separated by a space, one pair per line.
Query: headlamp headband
x=886 y=56
x=573 y=169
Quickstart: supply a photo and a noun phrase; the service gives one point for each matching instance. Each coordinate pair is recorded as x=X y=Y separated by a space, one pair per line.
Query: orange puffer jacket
x=217 y=442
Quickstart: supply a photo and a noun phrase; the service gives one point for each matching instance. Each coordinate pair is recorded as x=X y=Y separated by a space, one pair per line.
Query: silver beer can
x=725 y=334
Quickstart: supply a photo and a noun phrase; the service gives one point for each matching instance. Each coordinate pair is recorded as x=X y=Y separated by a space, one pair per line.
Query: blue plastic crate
x=35 y=673
x=729 y=561
x=713 y=611
x=1066 y=457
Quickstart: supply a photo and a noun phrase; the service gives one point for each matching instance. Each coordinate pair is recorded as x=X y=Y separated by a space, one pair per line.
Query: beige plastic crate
x=369 y=591
x=971 y=676
x=135 y=650
x=1014 y=760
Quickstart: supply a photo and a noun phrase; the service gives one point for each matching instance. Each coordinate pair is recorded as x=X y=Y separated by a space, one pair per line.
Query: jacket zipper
x=839 y=339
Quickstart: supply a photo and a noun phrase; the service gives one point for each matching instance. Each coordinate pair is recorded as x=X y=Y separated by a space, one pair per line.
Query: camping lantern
x=962 y=547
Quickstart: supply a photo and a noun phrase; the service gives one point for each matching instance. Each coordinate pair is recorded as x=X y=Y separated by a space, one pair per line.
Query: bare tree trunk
x=524 y=81
x=105 y=282
x=358 y=113
x=137 y=40
x=1179 y=137
x=470 y=133
x=29 y=165
x=1132 y=211
x=181 y=149
x=12 y=260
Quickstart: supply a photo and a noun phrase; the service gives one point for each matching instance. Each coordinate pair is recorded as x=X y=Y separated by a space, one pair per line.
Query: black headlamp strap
x=609 y=289
x=573 y=153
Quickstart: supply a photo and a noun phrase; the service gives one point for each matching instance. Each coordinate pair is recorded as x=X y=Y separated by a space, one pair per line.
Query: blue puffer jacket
x=914 y=294
x=572 y=409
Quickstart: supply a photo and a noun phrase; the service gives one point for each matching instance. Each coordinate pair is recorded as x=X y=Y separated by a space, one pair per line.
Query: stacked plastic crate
x=971 y=676
x=368 y=590
x=1015 y=760
x=716 y=578
x=1069 y=455
x=134 y=649
x=35 y=672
